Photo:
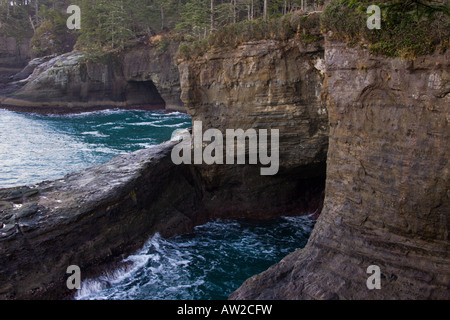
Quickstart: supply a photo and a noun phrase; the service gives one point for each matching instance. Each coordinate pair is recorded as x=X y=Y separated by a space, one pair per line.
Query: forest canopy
x=410 y=27
x=112 y=23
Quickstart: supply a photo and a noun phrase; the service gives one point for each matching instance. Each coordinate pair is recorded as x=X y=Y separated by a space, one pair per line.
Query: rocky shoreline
x=144 y=78
x=96 y=217
x=91 y=219
x=59 y=109
x=364 y=137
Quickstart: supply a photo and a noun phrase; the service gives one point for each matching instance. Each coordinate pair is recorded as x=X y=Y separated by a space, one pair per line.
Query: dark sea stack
x=387 y=188
x=92 y=219
x=265 y=84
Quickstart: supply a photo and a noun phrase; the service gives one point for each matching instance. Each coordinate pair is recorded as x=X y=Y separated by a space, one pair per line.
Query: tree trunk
x=265 y=11
x=32 y=23
x=162 y=17
x=212 y=15
x=36 y=8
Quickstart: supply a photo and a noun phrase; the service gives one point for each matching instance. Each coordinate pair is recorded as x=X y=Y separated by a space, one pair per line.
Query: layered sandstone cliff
x=387 y=188
x=269 y=85
x=14 y=55
x=95 y=217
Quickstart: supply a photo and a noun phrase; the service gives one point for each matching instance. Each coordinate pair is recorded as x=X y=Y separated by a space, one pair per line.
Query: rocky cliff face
x=157 y=66
x=143 y=77
x=387 y=187
x=262 y=85
x=95 y=217
x=14 y=53
x=387 y=177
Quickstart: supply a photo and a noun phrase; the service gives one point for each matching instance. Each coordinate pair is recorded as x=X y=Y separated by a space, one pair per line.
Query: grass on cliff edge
x=295 y=24
x=409 y=28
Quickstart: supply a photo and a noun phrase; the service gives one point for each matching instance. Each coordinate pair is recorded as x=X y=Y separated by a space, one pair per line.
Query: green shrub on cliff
x=52 y=36
x=408 y=27
x=293 y=25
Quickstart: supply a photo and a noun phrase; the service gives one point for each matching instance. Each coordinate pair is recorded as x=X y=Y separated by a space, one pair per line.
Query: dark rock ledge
x=91 y=219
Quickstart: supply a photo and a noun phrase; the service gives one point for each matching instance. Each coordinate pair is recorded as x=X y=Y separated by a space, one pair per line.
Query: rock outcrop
x=387 y=188
x=143 y=77
x=91 y=219
x=262 y=85
x=14 y=53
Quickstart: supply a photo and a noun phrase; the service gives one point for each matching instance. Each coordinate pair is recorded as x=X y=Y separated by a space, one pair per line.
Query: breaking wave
x=209 y=263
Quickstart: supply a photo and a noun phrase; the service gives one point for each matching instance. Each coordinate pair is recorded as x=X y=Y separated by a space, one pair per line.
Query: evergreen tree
x=195 y=18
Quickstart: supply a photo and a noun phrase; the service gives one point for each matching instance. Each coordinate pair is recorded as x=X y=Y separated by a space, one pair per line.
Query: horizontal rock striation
x=262 y=85
x=378 y=128
x=96 y=217
x=387 y=187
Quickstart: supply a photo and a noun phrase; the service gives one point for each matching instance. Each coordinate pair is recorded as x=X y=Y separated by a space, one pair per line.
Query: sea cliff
x=363 y=136
x=387 y=186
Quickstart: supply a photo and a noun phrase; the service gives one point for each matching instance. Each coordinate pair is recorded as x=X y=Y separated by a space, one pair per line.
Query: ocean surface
x=36 y=147
x=209 y=263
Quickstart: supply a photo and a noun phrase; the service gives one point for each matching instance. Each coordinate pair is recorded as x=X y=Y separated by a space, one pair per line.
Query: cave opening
x=144 y=94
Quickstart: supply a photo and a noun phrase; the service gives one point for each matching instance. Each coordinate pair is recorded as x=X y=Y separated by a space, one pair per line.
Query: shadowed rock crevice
x=268 y=85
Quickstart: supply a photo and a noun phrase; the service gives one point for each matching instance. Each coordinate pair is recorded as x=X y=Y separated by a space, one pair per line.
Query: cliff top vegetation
x=408 y=27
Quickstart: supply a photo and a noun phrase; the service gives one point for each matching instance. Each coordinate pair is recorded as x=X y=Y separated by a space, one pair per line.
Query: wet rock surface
x=383 y=122
x=92 y=219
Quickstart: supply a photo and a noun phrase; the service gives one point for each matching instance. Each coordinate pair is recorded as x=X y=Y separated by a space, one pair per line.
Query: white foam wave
x=95 y=134
x=92 y=288
x=145 y=145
